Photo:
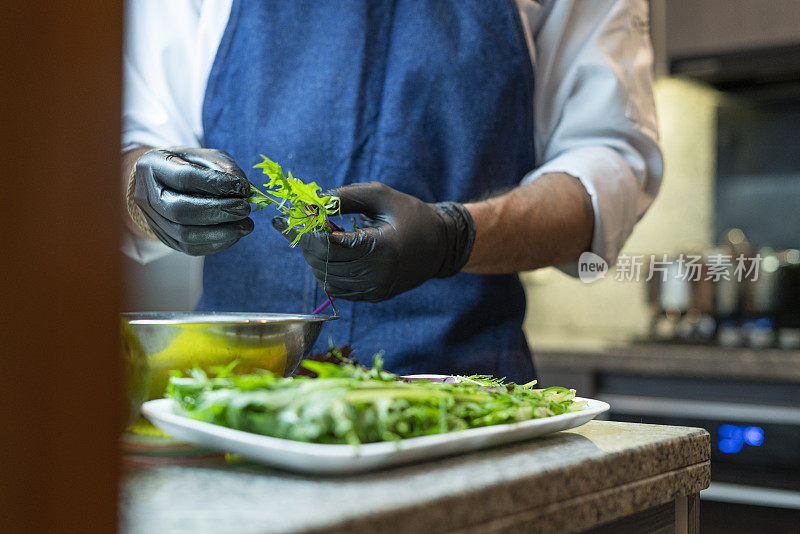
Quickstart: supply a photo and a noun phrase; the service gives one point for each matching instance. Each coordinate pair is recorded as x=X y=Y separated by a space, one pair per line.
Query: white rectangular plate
x=315 y=458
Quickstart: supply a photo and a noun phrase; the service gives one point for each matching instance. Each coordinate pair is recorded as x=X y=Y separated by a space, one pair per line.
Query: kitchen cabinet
x=601 y=477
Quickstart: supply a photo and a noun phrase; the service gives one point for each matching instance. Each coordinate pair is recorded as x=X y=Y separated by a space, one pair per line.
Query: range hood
x=743 y=68
x=728 y=43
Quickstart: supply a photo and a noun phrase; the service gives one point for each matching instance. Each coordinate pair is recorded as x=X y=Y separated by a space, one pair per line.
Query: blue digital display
x=753 y=435
x=733 y=438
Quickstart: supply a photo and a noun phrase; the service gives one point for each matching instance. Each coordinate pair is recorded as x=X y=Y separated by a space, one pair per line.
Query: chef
x=474 y=138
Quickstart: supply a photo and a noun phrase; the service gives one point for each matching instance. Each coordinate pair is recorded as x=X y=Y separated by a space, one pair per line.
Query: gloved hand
x=194 y=199
x=403 y=243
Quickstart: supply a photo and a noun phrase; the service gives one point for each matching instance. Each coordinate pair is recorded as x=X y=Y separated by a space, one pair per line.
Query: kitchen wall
x=564 y=312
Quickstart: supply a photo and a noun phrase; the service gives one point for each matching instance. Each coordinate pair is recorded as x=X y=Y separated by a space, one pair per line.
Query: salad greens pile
x=349 y=404
x=307 y=210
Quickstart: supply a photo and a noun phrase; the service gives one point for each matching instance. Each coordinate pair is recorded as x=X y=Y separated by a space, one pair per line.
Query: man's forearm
x=129 y=159
x=546 y=222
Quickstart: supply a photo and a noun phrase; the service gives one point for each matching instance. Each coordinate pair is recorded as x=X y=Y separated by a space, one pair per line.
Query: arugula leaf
x=307 y=211
x=351 y=404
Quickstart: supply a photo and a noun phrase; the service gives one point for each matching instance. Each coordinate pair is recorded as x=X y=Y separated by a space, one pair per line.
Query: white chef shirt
x=594 y=115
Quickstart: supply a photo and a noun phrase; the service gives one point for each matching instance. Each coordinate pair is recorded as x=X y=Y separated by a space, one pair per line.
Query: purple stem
x=329 y=301
x=333 y=225
x=321 y=308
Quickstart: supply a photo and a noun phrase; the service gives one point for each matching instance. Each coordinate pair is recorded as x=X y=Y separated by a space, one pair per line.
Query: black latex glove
x=193 y=198
x=403 y=243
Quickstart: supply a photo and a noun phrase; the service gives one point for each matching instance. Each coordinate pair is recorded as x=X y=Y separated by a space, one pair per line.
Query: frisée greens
x=307 y=210
x=350 y=404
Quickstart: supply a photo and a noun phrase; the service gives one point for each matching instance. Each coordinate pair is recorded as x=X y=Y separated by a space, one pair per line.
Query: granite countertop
x=566 y=482
x=679 y=360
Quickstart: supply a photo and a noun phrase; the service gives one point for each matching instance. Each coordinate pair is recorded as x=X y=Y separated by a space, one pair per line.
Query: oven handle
x=752 y=495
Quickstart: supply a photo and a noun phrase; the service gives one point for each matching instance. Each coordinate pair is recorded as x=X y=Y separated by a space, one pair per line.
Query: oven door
x=755 y=440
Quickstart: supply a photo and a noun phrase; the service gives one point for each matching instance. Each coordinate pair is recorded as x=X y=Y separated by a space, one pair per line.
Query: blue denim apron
x=431 y=97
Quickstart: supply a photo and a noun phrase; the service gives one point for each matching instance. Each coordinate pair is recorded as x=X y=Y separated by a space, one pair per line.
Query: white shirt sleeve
x=167 y=57
x=594 y=114
x=168 y=53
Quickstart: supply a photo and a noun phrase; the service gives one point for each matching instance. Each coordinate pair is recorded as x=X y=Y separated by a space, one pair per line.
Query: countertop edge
x=595 y=477
x=594 y=509
x=576 y=514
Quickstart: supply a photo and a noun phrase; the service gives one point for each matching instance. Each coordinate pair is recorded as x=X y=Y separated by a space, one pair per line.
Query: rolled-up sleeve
x=594 y=110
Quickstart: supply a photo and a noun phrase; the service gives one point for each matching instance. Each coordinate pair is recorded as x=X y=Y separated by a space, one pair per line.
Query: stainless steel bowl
x=155 y=343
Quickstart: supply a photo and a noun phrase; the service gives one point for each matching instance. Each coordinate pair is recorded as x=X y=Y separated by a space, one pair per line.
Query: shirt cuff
x=613 y=188
x=143 y=250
